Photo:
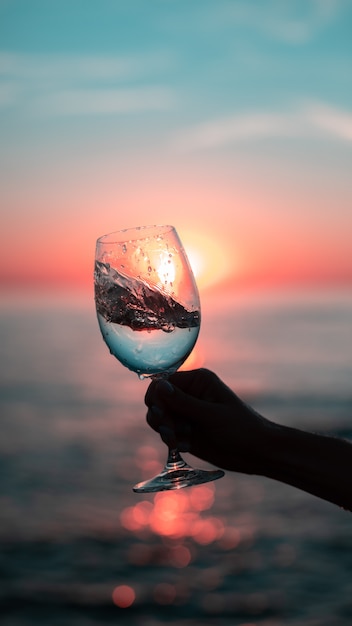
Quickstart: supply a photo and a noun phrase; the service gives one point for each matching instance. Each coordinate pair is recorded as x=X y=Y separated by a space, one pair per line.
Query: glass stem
x=174 y=460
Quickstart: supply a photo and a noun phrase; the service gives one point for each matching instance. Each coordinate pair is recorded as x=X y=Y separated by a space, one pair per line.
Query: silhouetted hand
x=196 y=412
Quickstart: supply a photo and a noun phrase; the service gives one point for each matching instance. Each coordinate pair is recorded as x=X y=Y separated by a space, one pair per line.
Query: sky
x=230 y=119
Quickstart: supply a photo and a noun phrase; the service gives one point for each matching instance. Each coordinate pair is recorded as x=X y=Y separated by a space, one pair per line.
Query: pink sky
x=231 y=123
x=249 y=230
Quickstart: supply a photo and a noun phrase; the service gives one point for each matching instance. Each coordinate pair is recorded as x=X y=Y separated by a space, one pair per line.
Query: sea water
x=148 y=352
x=146 y=329
x=75 y=539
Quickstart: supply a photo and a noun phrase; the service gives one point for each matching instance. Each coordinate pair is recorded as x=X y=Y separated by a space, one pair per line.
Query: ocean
x=79 y=548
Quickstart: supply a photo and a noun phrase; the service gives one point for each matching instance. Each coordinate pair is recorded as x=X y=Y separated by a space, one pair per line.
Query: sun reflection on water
x=171 y=530
x=179 y=516
x=169 y=534
x=176 y=515
x=165 y=593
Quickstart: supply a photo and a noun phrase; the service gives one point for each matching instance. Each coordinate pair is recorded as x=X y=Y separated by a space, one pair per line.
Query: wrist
x=268 y=447
x=314 y=463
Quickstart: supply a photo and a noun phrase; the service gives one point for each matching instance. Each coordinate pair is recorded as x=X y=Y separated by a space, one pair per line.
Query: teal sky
x=113 y=113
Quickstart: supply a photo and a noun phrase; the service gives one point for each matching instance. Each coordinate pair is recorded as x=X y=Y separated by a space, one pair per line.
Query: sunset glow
x=231 y=122
x=251 y=164
x=210 y=261
x=166 y=270
x=196 y=359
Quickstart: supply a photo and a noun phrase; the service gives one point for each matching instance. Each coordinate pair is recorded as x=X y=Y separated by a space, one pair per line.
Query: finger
x=168 y=436
x=200 y=383
x=162 y=425
x=186 y=381
x=203 y=384
x=174 y=402
x=150 y=393
x=157 y=418
x=174 y=434
x=193 y=381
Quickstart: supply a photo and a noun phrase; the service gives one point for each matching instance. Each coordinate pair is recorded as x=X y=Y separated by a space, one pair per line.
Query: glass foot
x=176 y=475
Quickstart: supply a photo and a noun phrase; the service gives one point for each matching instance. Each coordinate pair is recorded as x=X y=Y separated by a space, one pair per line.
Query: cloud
x=293 y=22
x=313 y=120
x=299 y=21
x=331 y=121
x=104 y=101
x=235 y=129
x=84 y=68
x=66 y=85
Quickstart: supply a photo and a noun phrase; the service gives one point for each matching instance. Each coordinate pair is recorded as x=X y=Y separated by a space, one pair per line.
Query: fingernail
x=165 y=387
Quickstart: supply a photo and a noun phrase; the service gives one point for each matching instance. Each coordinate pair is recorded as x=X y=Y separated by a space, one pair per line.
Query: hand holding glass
x=149 y=314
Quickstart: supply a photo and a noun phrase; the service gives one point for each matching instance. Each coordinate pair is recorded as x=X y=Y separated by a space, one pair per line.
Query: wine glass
x=148 y=311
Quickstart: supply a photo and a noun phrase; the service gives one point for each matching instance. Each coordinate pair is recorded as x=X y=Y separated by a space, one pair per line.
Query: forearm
x=317 y=464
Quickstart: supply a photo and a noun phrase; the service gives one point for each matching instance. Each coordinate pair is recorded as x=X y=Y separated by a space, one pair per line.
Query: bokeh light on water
x=79 y=547
x=176 y=515
x=123 y=596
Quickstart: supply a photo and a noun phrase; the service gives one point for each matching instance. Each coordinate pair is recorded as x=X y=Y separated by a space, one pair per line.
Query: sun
x=196 y=262
x=210 y=261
